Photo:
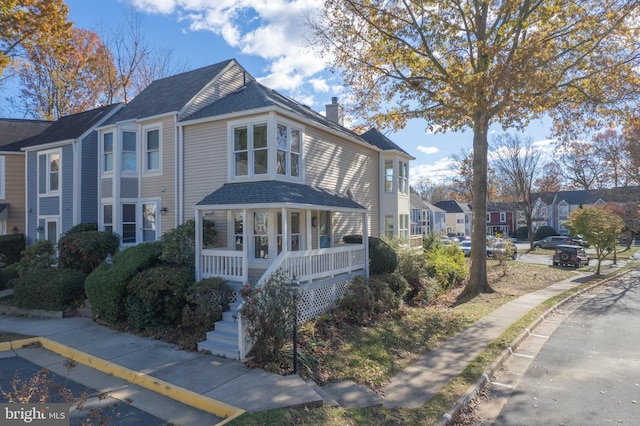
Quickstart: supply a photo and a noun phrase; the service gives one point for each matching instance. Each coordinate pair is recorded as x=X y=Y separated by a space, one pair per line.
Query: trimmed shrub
x=363 y=301
x=107 y=288
x=396 y=282
x=447 y=265
x=382 y=257
x=522 y=233
x=544 y=232
x=35 y=256
x=11 y=248
x=85 y=250
x=82 y=227
x=156 y=296
x=412 y=265
x=206 y=300
x=7 y=274
x=352 y=239
x=269 y=311
x=54 y=289
x=179 y=245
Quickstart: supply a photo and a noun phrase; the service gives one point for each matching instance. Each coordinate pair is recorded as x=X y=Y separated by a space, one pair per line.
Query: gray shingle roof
x=168 y=94
x=67 y=127
x=374 y=137
x=452 y=206
x=276 y=192
x=71 y=126
x=14 y=130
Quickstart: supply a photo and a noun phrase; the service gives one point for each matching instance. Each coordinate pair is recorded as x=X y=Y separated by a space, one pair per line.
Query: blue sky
x=267 y=37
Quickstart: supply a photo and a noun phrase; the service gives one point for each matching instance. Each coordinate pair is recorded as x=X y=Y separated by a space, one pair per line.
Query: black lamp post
x=294 y=291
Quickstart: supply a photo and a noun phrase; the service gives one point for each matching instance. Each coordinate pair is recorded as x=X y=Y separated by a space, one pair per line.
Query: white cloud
x=273 y=30
x=438 y=172
x=428 y=149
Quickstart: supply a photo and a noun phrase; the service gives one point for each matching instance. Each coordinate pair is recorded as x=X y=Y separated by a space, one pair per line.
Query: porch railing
x=228 y=264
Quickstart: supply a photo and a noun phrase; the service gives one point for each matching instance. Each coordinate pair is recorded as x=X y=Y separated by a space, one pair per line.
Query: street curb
x=505 y=354
x=225 y=411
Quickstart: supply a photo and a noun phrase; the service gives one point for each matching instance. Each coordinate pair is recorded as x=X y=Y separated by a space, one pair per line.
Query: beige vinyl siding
x=228 y=82
x=205 y=162
x=161 y=186
x=337 y=164
x=14 y=191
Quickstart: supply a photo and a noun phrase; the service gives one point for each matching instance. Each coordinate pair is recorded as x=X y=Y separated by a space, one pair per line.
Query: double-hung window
x=152 y=150
x=388 y=176
x=49 y=172
x=403 y=180
x=129 y=156
x=107 y=152
x=250 y=150
x=288 y=155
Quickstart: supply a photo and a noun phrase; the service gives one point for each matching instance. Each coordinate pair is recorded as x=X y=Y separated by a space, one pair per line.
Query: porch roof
x=273 y=193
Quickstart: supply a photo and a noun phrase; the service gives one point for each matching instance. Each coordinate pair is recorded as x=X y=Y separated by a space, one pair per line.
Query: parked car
x=504 y=248
x=552 y=242
x=465 y=246
x=570 y=255
x=579 y=241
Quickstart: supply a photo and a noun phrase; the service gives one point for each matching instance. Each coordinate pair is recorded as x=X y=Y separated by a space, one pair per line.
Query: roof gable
x=375 y=138
x=452 y=206
x=169 y=94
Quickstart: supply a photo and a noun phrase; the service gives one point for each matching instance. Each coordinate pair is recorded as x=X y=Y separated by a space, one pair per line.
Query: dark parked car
x=570 y=255
x=552 y=242
x=502 y=249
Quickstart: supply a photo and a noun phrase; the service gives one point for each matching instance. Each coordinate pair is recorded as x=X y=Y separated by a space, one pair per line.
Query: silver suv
x=552 y=242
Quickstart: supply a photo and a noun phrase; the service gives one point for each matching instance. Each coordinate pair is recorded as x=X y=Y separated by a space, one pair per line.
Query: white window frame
x=288 y=149
x=250 y=150
x=104 y=222
x=3 y=176
x=403 y=177
x=388 y=179
x=135 y=221
x=145 y=139
x=48 y=154
x=488 y=217
x=143 y=203
x=503 y=217
x=103 y=154
x=121 y=151
x=389 y=225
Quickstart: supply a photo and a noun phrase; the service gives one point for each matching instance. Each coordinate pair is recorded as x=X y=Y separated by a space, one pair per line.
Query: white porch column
x=198 y=244
x=285 y=230
x=365 y=241
x=245 y=243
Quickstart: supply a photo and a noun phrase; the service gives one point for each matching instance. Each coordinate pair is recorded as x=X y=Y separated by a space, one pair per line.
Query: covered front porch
x=267 y=226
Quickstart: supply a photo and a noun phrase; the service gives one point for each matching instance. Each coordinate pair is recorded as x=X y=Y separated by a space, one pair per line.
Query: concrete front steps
x=223 y=340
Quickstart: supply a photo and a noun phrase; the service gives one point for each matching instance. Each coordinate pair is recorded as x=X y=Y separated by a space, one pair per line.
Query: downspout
x=77 y=183
x=178 y=180
x=365 y=241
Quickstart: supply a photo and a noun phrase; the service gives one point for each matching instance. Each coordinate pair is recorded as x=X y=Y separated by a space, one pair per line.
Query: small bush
x=107 y=288
x=85 y=250
x=396 y=282
x=11 y=248
x=82 y=227
x=522 y=233
x=382 y=257
x=54 y=289
x=446 y=265
x=179 y=244
x=412 y=265
x=269 y=311
x=156 y=296
x=429 y=291
x=544 y=232
x=363 y=301
x=206 y=300
x=36 y=256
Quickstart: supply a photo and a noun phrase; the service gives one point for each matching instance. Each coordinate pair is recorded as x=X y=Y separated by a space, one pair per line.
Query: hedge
x=85 y=250
x=11 y=248
x=54 y=289
x=107 y=288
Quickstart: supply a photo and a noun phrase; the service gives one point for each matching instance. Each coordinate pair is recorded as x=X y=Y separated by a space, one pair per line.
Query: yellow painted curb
x=218 y=408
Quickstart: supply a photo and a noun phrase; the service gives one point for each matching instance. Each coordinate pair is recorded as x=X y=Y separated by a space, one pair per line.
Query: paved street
x=585 y=372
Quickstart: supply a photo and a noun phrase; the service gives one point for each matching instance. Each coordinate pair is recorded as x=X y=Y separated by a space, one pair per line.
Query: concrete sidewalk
x=234 y=385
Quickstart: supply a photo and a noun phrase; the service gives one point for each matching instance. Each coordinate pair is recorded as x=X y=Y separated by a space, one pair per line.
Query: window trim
x=103 y=170
x=403 y=177
x=388 y=179
x=47 y=190
x=503 y=217
x=121 y=151
x=145 y=161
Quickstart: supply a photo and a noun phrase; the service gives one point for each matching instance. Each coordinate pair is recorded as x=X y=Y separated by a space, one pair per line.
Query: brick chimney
x=334 y=111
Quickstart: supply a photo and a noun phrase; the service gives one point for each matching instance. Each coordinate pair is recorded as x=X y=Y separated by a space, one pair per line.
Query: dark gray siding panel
x=107 y=188
x=32 y=196
x=129 y=188
x=67 y=188
x=89 y=183
x=49 y=206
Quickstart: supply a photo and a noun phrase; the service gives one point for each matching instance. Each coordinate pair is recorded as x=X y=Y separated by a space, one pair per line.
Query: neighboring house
x=12 y=171
x=553 y=208
x=61 y=174
x=458 y=217
x=282 y=184
x=502 y=218
x=426 y=218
